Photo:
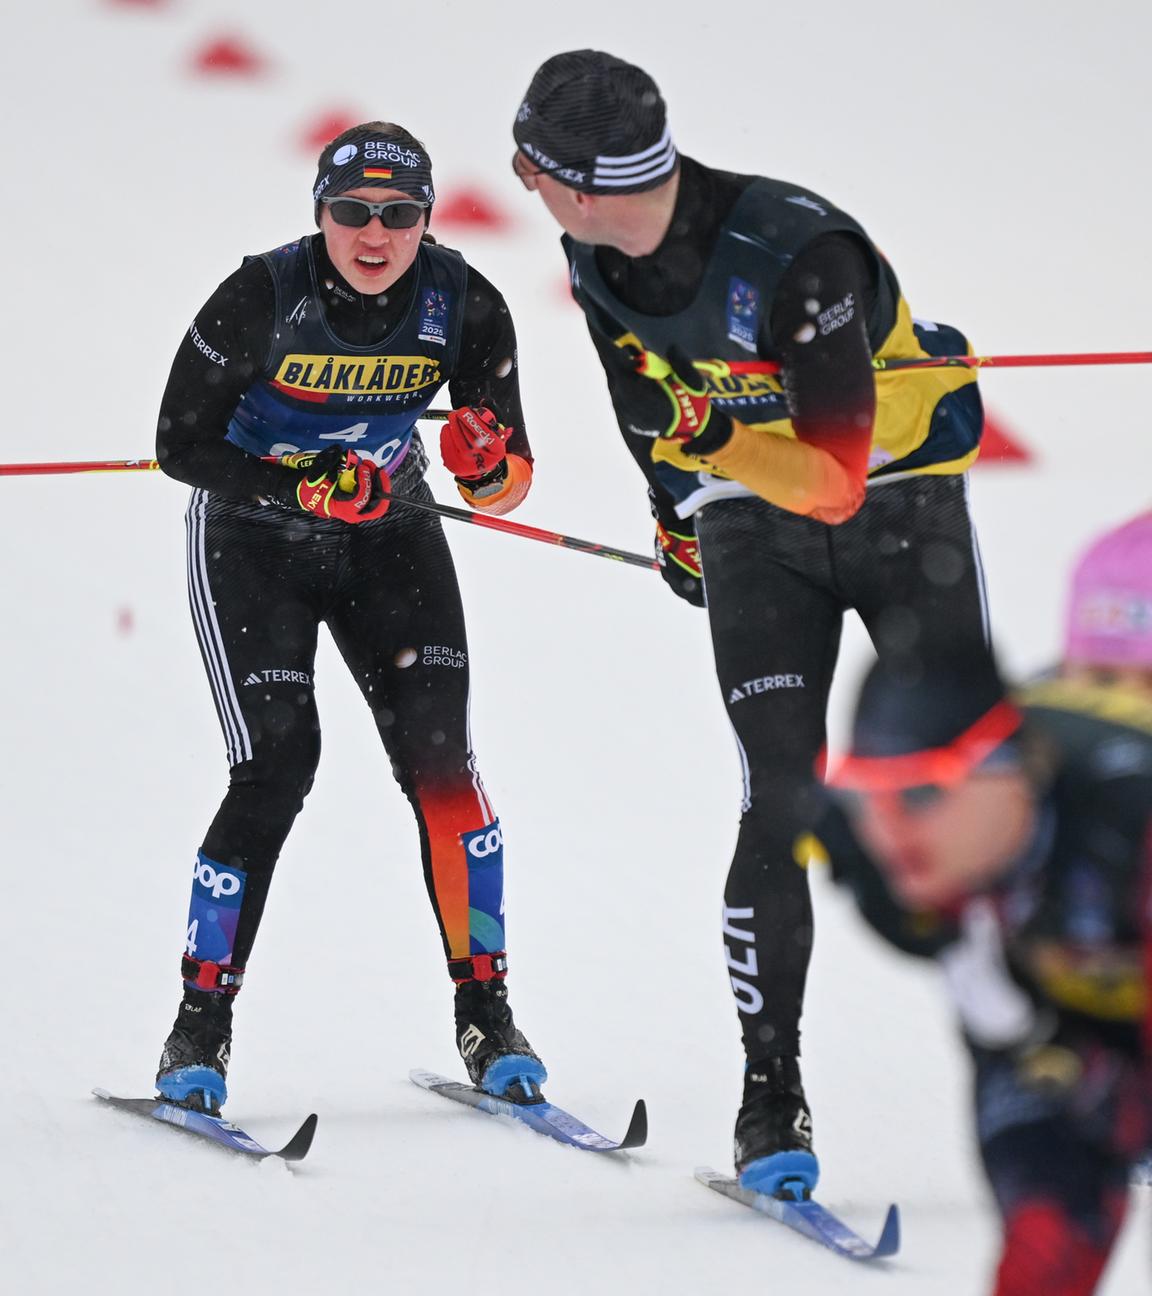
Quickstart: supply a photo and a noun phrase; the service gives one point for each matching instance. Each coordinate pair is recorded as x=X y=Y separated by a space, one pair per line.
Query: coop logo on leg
x=484 y=852
x=216 y=880
x=214 y=912
x=488 y=841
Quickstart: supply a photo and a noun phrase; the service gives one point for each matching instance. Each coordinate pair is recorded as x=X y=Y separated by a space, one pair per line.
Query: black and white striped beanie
x=596 y=123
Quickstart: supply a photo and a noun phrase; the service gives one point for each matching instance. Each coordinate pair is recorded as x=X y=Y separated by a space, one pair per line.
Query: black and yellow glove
x=678 y=554
x=695 y=423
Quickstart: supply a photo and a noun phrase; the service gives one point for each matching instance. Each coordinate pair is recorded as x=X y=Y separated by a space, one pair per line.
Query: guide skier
x=789 y=497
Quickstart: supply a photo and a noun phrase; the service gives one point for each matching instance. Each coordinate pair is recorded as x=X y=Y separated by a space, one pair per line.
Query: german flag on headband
x=933 y=724
x=374 y=153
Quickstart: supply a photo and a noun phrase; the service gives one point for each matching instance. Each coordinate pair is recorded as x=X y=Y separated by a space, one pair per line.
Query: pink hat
x=1110 y=613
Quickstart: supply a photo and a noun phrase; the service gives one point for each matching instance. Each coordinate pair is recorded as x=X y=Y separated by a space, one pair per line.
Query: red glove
x=472 y=442
x=336 y=483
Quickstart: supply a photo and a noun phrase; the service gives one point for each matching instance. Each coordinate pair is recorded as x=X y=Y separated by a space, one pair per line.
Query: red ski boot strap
x=480 y=967
x=211 y=976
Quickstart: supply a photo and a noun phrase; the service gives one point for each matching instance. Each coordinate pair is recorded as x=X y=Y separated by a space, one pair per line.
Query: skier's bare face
x=633 y=223
x=568 y=207
x=958 y=842
x=371 y=258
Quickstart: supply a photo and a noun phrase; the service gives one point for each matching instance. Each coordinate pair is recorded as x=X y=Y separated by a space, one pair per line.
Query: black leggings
x=778 y=586
x=261 y=580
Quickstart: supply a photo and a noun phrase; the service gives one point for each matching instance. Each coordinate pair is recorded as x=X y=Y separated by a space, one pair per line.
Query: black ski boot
x=498 y=1057
x=194 y=1062
x=774 y=1131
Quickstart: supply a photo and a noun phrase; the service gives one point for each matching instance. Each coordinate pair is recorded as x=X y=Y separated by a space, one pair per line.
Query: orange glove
x=472 y=445
x=499 y=491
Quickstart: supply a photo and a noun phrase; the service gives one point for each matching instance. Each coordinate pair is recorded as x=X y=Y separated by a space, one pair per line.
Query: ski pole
x=962 y=362
x=513 y=528
x=93 y=465
x=943 y=362
x=429 y=506
x=528 y=532
x=735 y=366
x=1017 y=361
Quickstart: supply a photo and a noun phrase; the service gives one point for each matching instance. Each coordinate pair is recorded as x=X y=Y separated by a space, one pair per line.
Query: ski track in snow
x=997 y=171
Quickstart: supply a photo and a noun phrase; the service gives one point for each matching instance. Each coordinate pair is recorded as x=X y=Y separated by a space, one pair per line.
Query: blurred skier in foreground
x=1012 y=841
x=791 y=497
x=291 y=409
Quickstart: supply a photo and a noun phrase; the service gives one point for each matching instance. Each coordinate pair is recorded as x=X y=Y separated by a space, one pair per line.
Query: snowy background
x=997 y=152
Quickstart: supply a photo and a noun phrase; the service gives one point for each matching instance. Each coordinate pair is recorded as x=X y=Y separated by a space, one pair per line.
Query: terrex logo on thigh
x=765 y=684
x=277 y=677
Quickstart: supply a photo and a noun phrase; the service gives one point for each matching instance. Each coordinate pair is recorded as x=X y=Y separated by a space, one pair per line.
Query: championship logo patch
x=743 y=313
x=434 y=316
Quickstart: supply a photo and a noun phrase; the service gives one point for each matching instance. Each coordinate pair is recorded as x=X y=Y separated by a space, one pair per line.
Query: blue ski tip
x=511 y=1070
x=776 y=1175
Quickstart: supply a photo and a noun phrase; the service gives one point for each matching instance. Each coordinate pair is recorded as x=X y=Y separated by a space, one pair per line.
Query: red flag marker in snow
x=997 y=446
x=326 y=126
x=228 y=56
x=470 y=207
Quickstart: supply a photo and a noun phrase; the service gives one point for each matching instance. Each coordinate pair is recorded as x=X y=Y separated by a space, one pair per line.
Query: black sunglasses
x=525 y=171
x=398 y=213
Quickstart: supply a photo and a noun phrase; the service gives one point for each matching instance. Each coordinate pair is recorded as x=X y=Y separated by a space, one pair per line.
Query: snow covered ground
x=996 y=152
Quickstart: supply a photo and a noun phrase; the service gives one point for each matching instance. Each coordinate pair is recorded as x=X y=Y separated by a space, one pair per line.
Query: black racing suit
x=754 y=270
x=1049 y=973
x=262 y=576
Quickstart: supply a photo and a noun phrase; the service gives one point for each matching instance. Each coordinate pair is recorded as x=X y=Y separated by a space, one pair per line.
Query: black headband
x=371 y=159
